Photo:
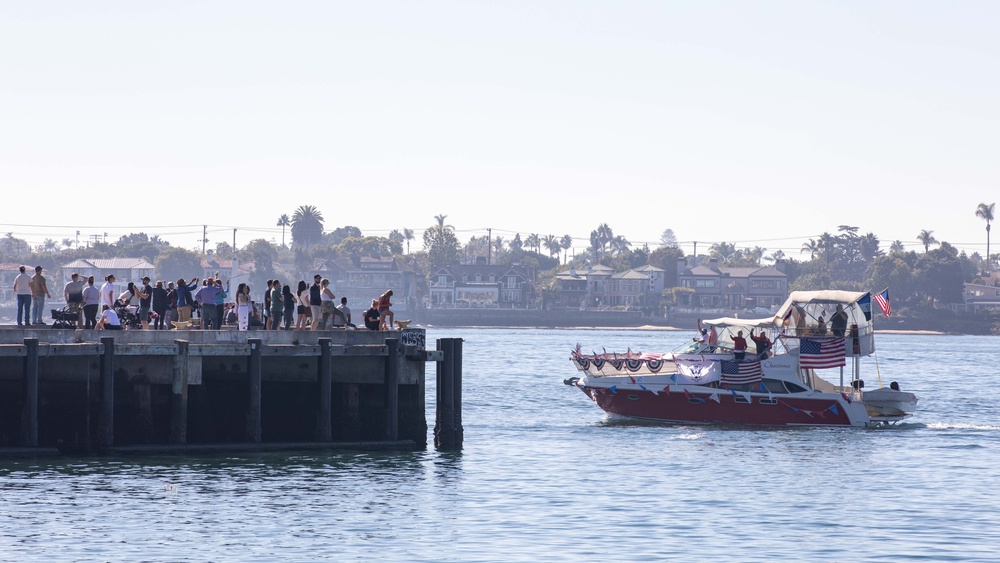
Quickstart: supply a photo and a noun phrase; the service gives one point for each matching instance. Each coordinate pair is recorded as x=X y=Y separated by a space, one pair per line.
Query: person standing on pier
x=145 y=294
x=385 y=314
x=22 y=287
x=158 y=302
x=108 y=292
x=288 y=299
x=91 y=302
x=184 y=299
x=73 y=294
x=220 y=302
x=243 y=306
x=315 y=301
x=305 y=311
x=277 y=305
x=39 y=291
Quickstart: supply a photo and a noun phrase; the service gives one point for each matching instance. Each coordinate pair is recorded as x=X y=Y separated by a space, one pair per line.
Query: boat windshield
x=697 y=347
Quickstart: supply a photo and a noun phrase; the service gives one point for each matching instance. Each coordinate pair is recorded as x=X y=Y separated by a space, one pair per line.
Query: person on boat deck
x=820 y=325
x=702 y=333
x=709 y=335
x=838 y=322
x=739 y=346
x=763 y=344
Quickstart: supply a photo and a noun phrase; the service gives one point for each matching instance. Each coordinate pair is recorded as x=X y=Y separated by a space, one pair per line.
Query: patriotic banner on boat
x=821 y=354
x=741 y=373
x=696 y=372
x=883 y=302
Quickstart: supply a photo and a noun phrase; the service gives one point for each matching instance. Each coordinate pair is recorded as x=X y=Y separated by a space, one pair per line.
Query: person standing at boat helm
x=838 y=322
x=763 y=344
x=739 y=346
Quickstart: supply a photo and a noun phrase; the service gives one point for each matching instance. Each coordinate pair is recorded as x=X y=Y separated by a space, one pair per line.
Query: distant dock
x=87 y=391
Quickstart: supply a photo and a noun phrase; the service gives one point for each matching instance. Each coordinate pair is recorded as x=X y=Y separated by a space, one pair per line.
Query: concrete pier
x=193 y=390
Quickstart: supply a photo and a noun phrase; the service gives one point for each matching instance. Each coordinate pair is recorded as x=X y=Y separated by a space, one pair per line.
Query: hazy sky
x=755 y=123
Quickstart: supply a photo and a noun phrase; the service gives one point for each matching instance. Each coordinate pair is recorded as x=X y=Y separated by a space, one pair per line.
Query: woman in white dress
x=243 y=306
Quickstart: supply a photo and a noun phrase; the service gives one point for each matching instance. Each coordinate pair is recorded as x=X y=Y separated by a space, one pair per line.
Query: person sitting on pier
x=109 y=320
x=372 y=316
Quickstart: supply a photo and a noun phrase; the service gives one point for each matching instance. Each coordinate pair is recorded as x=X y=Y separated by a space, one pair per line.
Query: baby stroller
x=127 y=316
x=65 y=318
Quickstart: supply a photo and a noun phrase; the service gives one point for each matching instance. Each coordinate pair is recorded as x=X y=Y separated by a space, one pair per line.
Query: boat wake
x=946 y=426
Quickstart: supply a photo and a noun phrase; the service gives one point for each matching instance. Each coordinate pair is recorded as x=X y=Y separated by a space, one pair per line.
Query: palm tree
x=927 y=239
x=552 y=244
x=619 y=245
x=408 y=236
x=440 y=222
x=307 y=226
x=985 y=212
x=896 y=247
x=812 y=247
x=283 y=222
x=532 y=241
x=566 y=242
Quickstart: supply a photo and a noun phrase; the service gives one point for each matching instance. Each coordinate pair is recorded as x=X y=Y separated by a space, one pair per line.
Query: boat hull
x=723 y=407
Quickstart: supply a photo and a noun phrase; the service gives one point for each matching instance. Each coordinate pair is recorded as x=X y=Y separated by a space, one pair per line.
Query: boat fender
x=571 y=381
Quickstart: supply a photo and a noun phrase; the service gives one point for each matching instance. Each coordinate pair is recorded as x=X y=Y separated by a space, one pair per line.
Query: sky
x=754 y=123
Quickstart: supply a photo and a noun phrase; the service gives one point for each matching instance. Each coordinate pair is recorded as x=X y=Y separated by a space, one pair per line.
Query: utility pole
x=204 y=238
x=234 y=242
x=489 y=246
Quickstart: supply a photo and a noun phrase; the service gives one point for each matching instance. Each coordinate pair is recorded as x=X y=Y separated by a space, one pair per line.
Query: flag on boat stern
x=883 y=301
x=819 y=354
x=741 y=373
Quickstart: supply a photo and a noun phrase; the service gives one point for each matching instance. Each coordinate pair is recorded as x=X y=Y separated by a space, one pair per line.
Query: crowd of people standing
x=185 y=303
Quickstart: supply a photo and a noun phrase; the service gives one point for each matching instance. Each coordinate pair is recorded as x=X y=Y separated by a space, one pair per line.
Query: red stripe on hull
x=676 y=407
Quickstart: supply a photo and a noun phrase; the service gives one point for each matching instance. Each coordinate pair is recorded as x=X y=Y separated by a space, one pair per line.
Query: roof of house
x=110 y=264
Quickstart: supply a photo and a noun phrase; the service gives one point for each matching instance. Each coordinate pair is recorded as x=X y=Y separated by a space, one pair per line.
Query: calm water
x=545 y=475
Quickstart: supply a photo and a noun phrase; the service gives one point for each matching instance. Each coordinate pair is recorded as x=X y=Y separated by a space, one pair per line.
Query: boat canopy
x=724 y=322
x=826 y=296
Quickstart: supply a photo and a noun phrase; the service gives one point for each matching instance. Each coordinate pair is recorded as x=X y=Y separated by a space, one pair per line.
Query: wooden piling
x=324 y=416
x=30 y=412
x=444 y=429
x=179 y=394
x=392 y=388
x=457 y=394
x=106 y=421
x=254 y=372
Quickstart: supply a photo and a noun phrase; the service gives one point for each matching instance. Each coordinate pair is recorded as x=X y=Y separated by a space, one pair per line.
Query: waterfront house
x=482 y=285
x=732 y=288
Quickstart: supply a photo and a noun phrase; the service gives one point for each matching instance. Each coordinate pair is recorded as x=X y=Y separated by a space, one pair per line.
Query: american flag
x=740 y=373
x=819 y=354
x=883 y=301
